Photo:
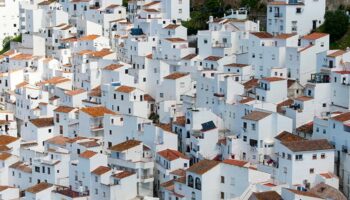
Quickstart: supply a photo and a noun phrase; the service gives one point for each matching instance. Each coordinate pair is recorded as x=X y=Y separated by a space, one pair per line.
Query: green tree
x=6 y=42
x=336 y=24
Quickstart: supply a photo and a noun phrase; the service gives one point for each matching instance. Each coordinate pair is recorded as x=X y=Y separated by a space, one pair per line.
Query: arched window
x=198 y=184
x=188 y=121
x=190 y=181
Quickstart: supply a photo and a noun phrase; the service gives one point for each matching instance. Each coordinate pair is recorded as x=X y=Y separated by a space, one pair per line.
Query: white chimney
x=211 y=18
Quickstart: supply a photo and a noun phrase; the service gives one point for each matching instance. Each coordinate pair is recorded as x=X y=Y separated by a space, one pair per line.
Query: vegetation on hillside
x=6 y=42
x=216 y=8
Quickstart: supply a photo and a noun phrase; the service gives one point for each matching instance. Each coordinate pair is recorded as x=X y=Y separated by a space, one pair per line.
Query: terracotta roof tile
x=181 y=121
x=172 y=26
x=287 y=102
x=175 y=75
x=88 y=37
x=288 y=137
x=273 y=79
x=342 y=117
x=251 y=83
x=238 y=163
x=284 y=36
x=304 y=98
x=179 y=172
x=4 y=187
x=236 y=65
x=262 y=35
x=203 y=166
x=123 y=174
x=5 y=155
x=308 y=145
x=175 y=40
x=306 y=128
x=58 y=140
x=151 y=10
x=64 y=109
x=213 y=58
x=22 y=57
x=256 y=115
x=336 y=53
x=74 y=92
x=21 y=166
x=101 y=170
x=6 y=139
x=97 y=111
x=125 y=145
x=171 y=155
x=268 y=195
x=148 y=97
x=314 y=36
x=39 y=187
x=113 y=67
x=42 y=122
x=151 y=3
x=165 y=127
x=125 y=89
x=87 y=154
x=189 y=56
x=54 y=80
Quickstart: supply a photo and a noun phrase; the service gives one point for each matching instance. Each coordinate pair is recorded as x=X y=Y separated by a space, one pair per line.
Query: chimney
x=211 y=18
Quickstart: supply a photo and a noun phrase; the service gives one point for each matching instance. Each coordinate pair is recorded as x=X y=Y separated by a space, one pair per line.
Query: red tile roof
x=42 y=122
x=238 y=163
x=125 y=145
x=39 y=187
x=203 y=166
x=125 y=89
x=175 y=75
x=101 y=170
x=314 y=36
x=170 y=154
x=87 y=154
x=97 y=111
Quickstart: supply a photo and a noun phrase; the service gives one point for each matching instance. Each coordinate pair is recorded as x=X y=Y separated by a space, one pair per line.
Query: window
x=198 y=184
x=222 y=179
x=190 y=181
x=289 y=157
x=298 y=10
x=314 y=156
x=48 y=170
x=299 y=157
x=312 y=170
x=222 y=195
x=253 y=127
x=323 y=156
x=37 y=169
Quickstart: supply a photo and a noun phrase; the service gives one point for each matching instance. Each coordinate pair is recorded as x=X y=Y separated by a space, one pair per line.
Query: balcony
x=319 y=78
